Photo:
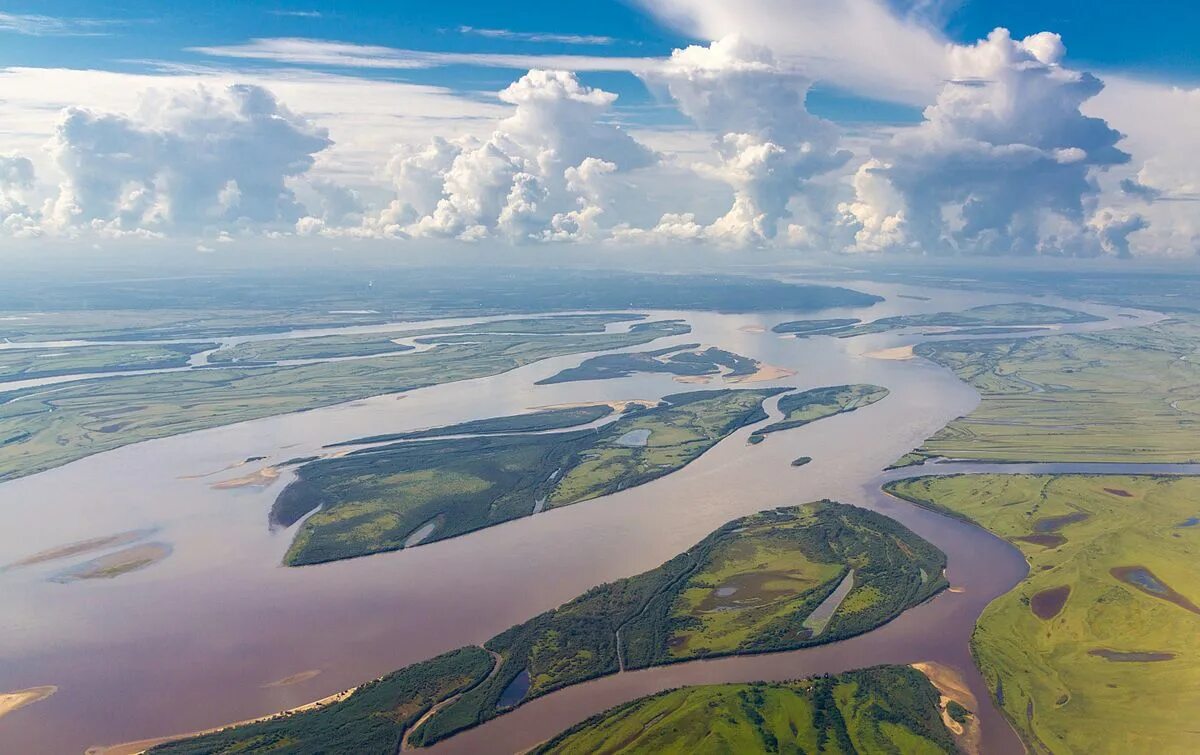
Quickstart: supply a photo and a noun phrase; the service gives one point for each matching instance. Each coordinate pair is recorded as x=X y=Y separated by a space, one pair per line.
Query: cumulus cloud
x=194 y=159
x=1004 y=161
x=540 y=175
x=862 y=45
x=16 y=181
x=767 y=143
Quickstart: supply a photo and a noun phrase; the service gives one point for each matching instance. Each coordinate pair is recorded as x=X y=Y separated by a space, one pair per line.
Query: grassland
x=26 y=364
x=799 y=409
x=370 y=344
x=688 y=360
x=1121 y=395
x=370 y=721
x=45 y=428
x=546 y=419
x=885 y=709
x=1095 y=651
x=805 y=328
x=376 y=499
x=684 y=608
x=988 y=315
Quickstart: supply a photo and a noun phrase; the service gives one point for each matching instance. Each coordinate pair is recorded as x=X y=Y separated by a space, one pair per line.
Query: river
x=198 y=639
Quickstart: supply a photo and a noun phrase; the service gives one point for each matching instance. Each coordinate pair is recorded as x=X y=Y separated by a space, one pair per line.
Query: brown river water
x=202 y=638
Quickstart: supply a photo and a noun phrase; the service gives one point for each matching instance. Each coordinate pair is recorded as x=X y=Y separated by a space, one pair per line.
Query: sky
x=853 y=127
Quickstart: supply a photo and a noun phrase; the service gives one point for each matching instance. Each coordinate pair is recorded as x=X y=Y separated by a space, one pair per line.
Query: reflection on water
x=195 y=640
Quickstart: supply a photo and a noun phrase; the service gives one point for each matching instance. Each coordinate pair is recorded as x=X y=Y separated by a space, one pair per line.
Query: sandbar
x=14 y=701
x=897 y=353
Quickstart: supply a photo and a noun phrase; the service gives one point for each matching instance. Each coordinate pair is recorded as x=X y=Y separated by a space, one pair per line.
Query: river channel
x=205 y=636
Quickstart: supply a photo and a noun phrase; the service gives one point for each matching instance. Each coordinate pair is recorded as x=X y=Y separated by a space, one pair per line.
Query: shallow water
x=195 y=640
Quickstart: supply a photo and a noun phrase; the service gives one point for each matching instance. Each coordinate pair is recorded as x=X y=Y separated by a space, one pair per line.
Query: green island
x=27 y=364
x=884 y=709
x=1115 y=396
x=44 y=428
x=557 y=418
x=400 y=495
x=688 y=361
x=1095 y=650
x=799 y=409
x=370 y=344
x=777 y=580
x=370 y=721
x=805 y=328
x=988 y=315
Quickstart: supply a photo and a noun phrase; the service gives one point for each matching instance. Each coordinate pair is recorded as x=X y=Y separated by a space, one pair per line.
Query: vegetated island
x=553 y=418
x=988 y=315
x=30 y=363
x=684 y=361
x=1128 y=395
x=1094 y=651
x=799 y=409
x=776 y=580
x=368 y=344
x=879 y=709
x=399 y=495
x=41 y=429
x=805 y=328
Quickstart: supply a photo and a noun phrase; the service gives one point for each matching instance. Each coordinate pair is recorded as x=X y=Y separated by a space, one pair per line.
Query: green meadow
x=885 y=709
x=1095 y=650
x=1121 y=395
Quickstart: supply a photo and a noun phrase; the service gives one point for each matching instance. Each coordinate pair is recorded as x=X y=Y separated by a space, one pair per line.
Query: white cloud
x=767 y=143
x=46 y=26
x=538 y=175
x=1003 y=163
x=859 y=44
x=317 y=52
x=195 y=159
x=525 y=36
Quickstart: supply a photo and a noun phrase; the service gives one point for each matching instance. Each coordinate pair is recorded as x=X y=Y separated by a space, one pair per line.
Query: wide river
x=201 y=638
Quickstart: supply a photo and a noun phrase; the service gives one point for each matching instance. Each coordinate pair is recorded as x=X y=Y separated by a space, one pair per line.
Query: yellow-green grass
x=1123 y=395
x=747 y=584
x=882 y=709
x=799 y=409
x=27 y=364
x=41 y=429
x=676 y=437
x=1060 y=694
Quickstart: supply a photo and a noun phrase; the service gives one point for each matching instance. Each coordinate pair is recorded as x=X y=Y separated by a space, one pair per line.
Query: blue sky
x=1156 y=40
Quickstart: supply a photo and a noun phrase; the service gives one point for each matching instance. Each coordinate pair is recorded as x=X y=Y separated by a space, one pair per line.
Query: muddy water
x=194 y=641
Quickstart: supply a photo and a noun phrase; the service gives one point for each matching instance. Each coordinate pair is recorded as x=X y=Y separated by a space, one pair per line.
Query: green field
x=1122 y=395
x=26 y=364
x=370 y=344
x=1095 y=651
x=886 y=709
x=375 y=499
x=545 y=419
x=988 y=315
x=809 y=550
x=809 y=406
x=369 y=722
x=688 y=360
x=45 y=428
